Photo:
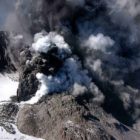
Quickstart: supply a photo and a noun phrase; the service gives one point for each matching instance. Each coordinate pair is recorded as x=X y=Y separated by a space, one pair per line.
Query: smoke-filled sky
x=104 y=35
x=7 y=11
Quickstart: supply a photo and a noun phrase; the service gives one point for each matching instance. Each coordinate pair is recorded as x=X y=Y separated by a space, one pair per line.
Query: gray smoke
x=104 y=34
x=6 y=9
x=126 y=13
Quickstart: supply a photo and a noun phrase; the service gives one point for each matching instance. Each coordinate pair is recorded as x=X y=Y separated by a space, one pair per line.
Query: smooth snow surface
x=17 y=136
x=8 y=88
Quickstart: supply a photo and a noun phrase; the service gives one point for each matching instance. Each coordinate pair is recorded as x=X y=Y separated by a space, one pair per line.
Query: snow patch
x=4 y=135
x=8 y=88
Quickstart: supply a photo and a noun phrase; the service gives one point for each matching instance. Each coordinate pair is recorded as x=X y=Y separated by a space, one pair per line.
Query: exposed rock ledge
x=60 y=117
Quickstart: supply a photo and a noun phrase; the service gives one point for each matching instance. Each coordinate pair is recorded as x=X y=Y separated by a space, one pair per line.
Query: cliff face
x=5 y=64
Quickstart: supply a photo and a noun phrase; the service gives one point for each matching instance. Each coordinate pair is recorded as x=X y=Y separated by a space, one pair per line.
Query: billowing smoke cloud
x=10 y=20
x=99 y=42
x=104 y=35
x=128 y=9
x=71 y=78
x=78 y=3
x=126 y=13
x=52 y=40
x=6 y=9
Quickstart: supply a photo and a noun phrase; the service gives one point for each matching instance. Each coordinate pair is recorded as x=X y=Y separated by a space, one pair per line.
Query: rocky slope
x=61 y=117
x=8 y=128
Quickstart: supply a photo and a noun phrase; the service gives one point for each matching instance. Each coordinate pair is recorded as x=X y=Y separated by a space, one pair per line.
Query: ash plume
x=104 y=35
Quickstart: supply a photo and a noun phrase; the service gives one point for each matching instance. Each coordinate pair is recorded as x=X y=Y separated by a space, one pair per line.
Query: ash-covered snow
x=4 y=135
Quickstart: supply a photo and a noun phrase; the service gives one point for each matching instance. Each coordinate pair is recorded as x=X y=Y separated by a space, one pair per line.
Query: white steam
x=46 y=43
x=70 y=78
x=99 y=42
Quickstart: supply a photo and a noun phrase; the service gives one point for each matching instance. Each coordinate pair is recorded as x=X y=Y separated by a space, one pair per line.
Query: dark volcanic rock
x=5 y=62
x=60 y=117
x=8 y=112
x=47 y=64
x=27 y=87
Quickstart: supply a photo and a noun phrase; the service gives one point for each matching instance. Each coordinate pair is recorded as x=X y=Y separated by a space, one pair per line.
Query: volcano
x=69 y=69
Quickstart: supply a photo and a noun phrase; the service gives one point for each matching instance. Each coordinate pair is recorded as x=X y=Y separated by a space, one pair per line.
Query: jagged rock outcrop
x=17 y=56
x=60 y=117
x=47 y=64
x=8 y=112
x=5 y=62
